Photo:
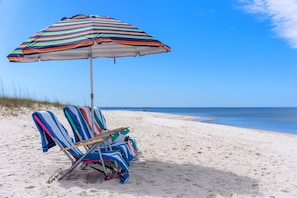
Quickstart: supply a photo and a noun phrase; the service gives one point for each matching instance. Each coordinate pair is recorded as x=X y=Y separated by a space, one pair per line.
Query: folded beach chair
x=100 y=119
x=82 y=131
x=53 y=133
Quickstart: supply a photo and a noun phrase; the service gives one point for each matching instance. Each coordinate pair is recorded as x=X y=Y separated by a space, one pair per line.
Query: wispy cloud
x=281 y=13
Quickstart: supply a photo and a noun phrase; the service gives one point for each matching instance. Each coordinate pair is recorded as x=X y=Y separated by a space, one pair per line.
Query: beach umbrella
x=87 y=37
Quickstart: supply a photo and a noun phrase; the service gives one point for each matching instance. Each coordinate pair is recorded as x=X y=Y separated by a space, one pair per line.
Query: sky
x=231 y=53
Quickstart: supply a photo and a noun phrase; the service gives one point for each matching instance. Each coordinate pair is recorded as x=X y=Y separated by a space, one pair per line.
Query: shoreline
x=179 y=158
x=276 y=119
x=197 y=119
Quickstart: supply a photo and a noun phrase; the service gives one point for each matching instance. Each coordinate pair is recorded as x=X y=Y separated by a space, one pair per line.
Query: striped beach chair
x=53 y=133
x=83 y=131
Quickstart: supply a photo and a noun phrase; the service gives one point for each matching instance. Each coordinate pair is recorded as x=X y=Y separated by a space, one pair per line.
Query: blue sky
x=231 y=53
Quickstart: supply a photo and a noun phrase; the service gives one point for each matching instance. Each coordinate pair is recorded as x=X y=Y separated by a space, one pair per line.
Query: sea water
x=272 y=119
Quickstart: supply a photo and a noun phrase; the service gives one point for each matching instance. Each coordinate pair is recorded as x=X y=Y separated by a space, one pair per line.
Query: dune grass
x=13 y=97
x=13 y=106
x=16 y=102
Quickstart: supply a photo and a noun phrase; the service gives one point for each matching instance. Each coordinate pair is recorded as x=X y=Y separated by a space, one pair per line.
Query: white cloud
x=281 y=13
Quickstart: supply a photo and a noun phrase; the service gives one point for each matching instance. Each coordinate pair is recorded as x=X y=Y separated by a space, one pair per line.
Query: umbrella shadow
x=167 y=179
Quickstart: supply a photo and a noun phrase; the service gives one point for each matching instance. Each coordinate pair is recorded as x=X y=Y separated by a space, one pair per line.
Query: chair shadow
x=167 y=179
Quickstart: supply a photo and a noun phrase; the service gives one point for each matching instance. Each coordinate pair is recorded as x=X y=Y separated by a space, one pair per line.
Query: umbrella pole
x=92 y=94
x=93 y=116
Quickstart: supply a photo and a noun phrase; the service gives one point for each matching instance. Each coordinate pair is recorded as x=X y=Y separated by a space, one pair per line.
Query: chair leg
x=102 y=160
x=77 y=162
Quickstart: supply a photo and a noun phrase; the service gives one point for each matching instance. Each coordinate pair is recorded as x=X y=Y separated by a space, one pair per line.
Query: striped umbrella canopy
x=82 y=37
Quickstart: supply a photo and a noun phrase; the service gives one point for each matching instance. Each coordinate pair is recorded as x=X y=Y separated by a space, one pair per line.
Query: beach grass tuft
x=16 y=102
x=21 y=99
x=13 y=106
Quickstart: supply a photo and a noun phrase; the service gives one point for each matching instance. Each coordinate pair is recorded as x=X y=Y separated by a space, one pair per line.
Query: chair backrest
x=99 y=118
x=87 y=114
x=78 y=124
x=48 y=124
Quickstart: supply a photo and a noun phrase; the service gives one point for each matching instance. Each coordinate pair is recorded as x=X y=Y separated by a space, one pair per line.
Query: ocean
x=273 y=119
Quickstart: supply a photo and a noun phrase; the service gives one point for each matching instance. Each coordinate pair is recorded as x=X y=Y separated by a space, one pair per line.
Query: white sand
x=179 y=158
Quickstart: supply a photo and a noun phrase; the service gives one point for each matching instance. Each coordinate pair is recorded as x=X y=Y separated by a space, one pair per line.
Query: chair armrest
x=110 y=132
x=83 y=143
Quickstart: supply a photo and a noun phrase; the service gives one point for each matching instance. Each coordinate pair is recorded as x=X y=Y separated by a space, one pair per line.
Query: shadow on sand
x=167 y=179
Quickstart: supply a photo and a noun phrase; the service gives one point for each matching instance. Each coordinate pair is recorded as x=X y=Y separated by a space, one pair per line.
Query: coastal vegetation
x=15 y=98
x=13 y=106
x=17 y=102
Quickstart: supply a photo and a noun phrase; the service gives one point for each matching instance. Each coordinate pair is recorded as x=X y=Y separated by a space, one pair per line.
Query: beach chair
x=87 y=114
x=100 y=119
x=117 y=138
x=53 y=133
x=82 y=131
